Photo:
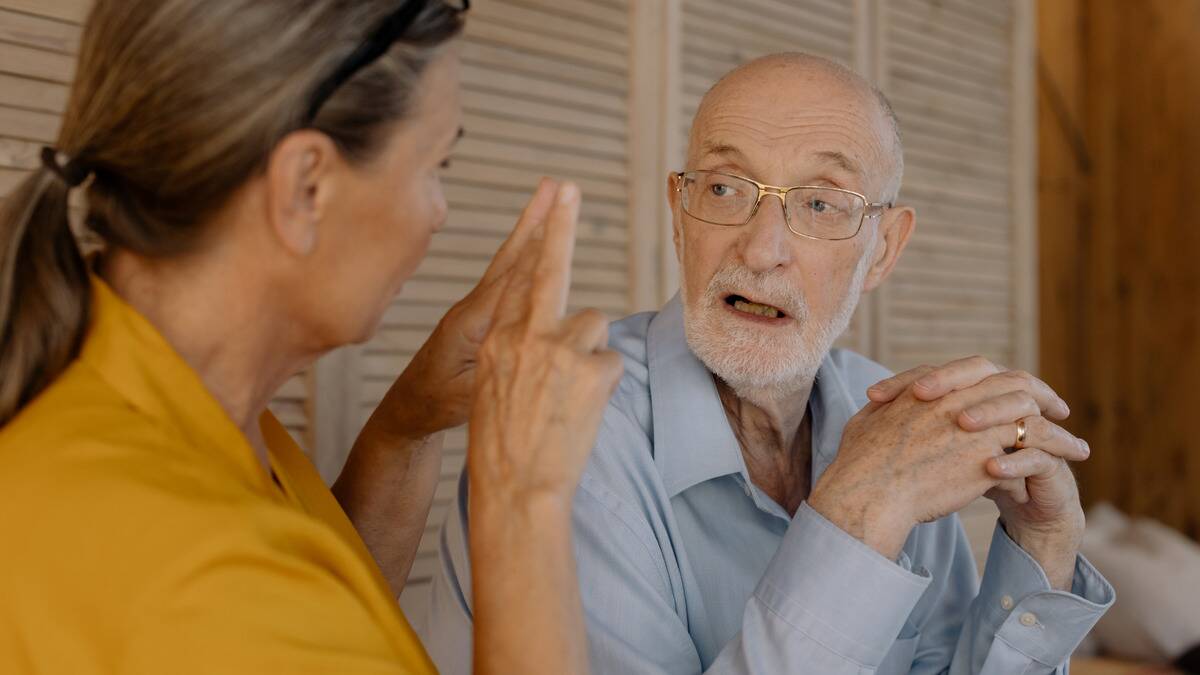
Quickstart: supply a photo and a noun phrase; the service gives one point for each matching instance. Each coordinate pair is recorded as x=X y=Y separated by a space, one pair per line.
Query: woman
x=264 y=174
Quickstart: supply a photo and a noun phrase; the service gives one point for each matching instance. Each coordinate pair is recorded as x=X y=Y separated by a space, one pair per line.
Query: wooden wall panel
x=1122 y=289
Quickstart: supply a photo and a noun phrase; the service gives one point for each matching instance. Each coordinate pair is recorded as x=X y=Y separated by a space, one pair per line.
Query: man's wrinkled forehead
x=780 y=118
x=711 y=151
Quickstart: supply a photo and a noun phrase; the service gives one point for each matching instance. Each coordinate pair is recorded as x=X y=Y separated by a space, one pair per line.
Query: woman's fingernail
x=568 y=193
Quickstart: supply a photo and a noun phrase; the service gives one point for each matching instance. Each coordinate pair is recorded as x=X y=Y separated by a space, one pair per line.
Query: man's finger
x=532 y=218
x=1023 y=464
x=887 y=390
x=552 y=278
x=1049 y=403
x=1046 y=436
x=953 y=376
x=1014 y=488
x=1004 y=409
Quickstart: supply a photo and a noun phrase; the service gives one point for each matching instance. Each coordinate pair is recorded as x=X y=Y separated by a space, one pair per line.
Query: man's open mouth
x=745 y=305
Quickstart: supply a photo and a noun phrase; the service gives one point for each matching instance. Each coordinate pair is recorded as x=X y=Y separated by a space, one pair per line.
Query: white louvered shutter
x=39 y=43
x=948 y=67
x=948 y=72
x=545 y=89
x=719 y=35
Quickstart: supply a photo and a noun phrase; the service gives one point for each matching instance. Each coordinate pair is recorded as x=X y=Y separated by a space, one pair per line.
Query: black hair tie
x=73 y=173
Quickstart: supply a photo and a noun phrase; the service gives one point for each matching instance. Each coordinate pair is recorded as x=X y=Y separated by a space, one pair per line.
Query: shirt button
x=1028 y=619
x=1006 y=602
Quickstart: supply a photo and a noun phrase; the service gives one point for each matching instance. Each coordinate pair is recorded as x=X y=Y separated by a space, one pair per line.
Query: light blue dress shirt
x=686 y=566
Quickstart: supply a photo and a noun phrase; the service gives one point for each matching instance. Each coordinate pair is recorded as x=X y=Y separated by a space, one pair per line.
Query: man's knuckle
x=981 y=362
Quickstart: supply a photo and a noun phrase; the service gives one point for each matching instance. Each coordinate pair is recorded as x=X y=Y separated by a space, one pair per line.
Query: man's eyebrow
x=841 y=160
x=719 y=148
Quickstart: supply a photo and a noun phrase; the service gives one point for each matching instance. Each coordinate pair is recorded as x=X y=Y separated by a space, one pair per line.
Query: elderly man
x=753 y=504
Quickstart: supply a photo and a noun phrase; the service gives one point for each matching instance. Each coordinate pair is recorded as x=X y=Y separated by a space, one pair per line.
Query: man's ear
x=300 y=186
x=676 y=218
x=896 y=225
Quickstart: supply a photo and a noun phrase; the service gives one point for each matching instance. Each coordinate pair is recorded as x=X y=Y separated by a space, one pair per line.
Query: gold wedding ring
x=1021 y=433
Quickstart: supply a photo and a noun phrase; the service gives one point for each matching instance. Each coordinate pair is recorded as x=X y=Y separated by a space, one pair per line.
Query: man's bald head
x=766 y=83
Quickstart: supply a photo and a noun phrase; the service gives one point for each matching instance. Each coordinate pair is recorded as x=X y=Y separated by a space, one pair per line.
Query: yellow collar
x=134 y=358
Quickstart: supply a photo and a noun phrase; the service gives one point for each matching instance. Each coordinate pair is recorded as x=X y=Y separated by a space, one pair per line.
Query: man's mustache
x=773 y=290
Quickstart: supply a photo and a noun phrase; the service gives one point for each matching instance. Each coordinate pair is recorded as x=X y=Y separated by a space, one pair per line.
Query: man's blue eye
x=721 y=190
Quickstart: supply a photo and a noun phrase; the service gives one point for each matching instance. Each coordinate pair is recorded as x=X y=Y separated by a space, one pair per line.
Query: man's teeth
x=755 y=308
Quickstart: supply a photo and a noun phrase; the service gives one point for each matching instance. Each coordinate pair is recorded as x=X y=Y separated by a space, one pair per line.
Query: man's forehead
x=715 y=147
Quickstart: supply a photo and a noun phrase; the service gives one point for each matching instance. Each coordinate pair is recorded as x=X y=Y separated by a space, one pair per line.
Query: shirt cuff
x=1020 y=607
x=837 y=590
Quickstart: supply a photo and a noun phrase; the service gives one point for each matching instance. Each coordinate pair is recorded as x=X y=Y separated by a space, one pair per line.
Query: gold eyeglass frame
x=781 y=193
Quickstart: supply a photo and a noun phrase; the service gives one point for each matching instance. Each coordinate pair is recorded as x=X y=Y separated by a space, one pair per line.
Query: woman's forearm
x=386 y=489
x=527 y=610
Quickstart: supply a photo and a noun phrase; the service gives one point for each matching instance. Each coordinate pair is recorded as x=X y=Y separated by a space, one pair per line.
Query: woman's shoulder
x=81 y=459
x=79 y=432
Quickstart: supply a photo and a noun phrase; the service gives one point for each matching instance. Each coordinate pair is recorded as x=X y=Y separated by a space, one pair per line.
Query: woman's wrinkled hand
x=542 y=380
x=434 y=392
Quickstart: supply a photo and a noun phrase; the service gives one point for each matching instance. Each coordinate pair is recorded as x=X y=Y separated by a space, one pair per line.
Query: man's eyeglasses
x=810 y=211
x=377 y=43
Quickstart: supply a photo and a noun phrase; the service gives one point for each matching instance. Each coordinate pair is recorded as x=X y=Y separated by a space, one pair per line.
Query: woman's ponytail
x=44 y=290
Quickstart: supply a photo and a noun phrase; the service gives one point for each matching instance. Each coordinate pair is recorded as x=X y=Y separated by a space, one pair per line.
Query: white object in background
x=1156 y=573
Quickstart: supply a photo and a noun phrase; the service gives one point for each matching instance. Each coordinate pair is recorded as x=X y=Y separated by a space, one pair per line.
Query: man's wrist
x=1054 y=548
x=874 y=520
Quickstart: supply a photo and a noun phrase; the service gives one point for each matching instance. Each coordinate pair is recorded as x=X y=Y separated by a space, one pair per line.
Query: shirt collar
x=693 y=441
x=134 y=358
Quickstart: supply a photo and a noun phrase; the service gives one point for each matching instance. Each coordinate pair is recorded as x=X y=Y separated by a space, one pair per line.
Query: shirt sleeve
x=249 y=607
x=827 y=603
x=1018 y=624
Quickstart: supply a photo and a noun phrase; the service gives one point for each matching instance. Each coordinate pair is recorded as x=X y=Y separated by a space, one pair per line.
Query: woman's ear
x=300 y=187
x=896 y=225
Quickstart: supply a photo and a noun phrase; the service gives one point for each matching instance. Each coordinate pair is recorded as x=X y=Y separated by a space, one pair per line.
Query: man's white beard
x=757 y=361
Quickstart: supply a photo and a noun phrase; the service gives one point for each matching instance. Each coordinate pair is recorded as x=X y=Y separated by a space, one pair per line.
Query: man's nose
x=766 y=240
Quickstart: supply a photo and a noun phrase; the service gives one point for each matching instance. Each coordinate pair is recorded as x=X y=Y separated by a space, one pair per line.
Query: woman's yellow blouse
x=140 y=534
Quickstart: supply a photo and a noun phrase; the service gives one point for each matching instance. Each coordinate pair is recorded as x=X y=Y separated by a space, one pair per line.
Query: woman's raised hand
x=434 y=392
x=542 y=380
x=541 y=385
